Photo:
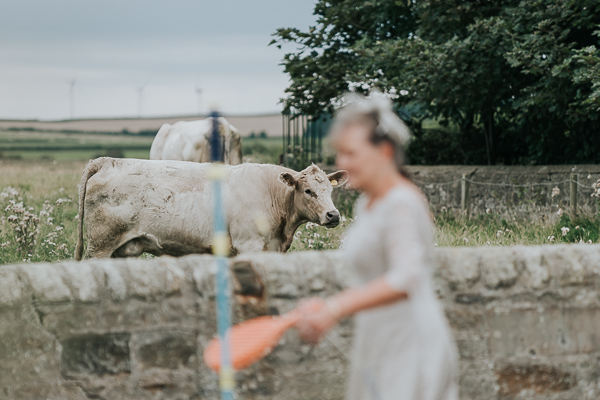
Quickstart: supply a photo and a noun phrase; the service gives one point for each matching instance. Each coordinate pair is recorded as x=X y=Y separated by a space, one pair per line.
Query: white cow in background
x=190 y=141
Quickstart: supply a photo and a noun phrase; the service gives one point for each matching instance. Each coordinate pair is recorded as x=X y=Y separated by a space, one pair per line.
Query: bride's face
x=356 y=154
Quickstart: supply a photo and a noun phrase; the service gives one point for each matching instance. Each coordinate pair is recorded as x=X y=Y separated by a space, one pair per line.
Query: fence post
x=573 y=194
x=464 y=196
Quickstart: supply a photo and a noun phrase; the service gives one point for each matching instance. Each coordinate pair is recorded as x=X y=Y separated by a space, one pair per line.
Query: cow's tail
x=92 y=167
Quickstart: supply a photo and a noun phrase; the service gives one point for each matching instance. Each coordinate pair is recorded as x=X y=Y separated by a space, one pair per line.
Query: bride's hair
x=377 y=112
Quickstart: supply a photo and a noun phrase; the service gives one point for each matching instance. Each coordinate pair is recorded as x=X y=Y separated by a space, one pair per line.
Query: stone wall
x=526 y=320
x=442 y=187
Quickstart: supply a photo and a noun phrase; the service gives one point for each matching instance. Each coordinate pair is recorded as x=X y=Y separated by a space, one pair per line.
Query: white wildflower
x=564 y=230
x=9 y=191
x=499 y=233
x=551 y=238
x=596 y=187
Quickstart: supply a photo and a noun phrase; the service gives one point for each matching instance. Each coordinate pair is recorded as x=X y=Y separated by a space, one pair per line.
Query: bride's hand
x=317 y=318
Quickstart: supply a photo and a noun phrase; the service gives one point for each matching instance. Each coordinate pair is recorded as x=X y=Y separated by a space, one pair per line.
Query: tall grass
x=261 y=150
x=38 y=209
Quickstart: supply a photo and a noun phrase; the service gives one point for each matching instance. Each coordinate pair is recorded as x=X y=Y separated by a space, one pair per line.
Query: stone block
x=82 y=281
x=477 y=380
x=459 y=267
x=166 y=349
x=524 y=381
x=203 y=273
x=247 y=281
x=145 y=280
x=96 y=354
x=544 y=331
x=564 y=266
x=471 y=347
x=529 y=260
x=45 y=279
x=114 y=279
x=34 y=390
x=498 y=268
x=466 y=318
x=28 y=353
x=11 y=287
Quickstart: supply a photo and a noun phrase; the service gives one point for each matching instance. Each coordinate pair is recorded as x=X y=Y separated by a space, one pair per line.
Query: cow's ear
x=287 y=178
x=338 y=178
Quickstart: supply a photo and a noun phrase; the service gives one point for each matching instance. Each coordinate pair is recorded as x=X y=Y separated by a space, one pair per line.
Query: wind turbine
x=140 y=90
x=199 y=95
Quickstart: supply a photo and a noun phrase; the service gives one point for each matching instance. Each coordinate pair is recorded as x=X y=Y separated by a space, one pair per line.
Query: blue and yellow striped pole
x=221 y=251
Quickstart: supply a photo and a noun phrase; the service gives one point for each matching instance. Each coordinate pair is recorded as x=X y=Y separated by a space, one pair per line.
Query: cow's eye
x=308 y=192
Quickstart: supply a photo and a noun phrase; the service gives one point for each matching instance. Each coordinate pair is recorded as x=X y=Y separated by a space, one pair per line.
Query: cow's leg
x=91 y=252
x=106 y=231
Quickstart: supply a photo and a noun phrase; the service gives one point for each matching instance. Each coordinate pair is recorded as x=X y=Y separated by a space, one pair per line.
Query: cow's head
x=312 y=199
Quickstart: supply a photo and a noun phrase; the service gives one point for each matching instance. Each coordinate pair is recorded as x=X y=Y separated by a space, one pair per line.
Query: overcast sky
x=112 y=47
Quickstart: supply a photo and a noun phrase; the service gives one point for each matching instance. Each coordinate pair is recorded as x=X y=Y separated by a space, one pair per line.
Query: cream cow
x=165 y=207
x=190 y=141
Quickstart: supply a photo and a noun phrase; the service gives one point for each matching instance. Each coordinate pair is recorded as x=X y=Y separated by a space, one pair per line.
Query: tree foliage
x=516 y=81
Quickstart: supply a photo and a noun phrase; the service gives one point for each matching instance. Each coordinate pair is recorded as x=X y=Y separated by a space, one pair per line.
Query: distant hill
x=269 y=123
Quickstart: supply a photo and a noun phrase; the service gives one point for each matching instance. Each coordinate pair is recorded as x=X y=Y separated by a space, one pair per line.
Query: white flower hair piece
x=378 y=104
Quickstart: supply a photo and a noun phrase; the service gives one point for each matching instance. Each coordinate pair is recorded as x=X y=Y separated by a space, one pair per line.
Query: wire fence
x=504 y=184
x=520 y=199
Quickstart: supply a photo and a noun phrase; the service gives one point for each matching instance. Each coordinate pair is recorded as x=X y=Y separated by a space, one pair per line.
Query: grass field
x=38 y=219
x=60 y=146
x=70 y=146
x=42 y=195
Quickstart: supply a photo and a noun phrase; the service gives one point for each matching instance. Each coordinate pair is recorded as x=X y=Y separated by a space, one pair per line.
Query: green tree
x=513 y=81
